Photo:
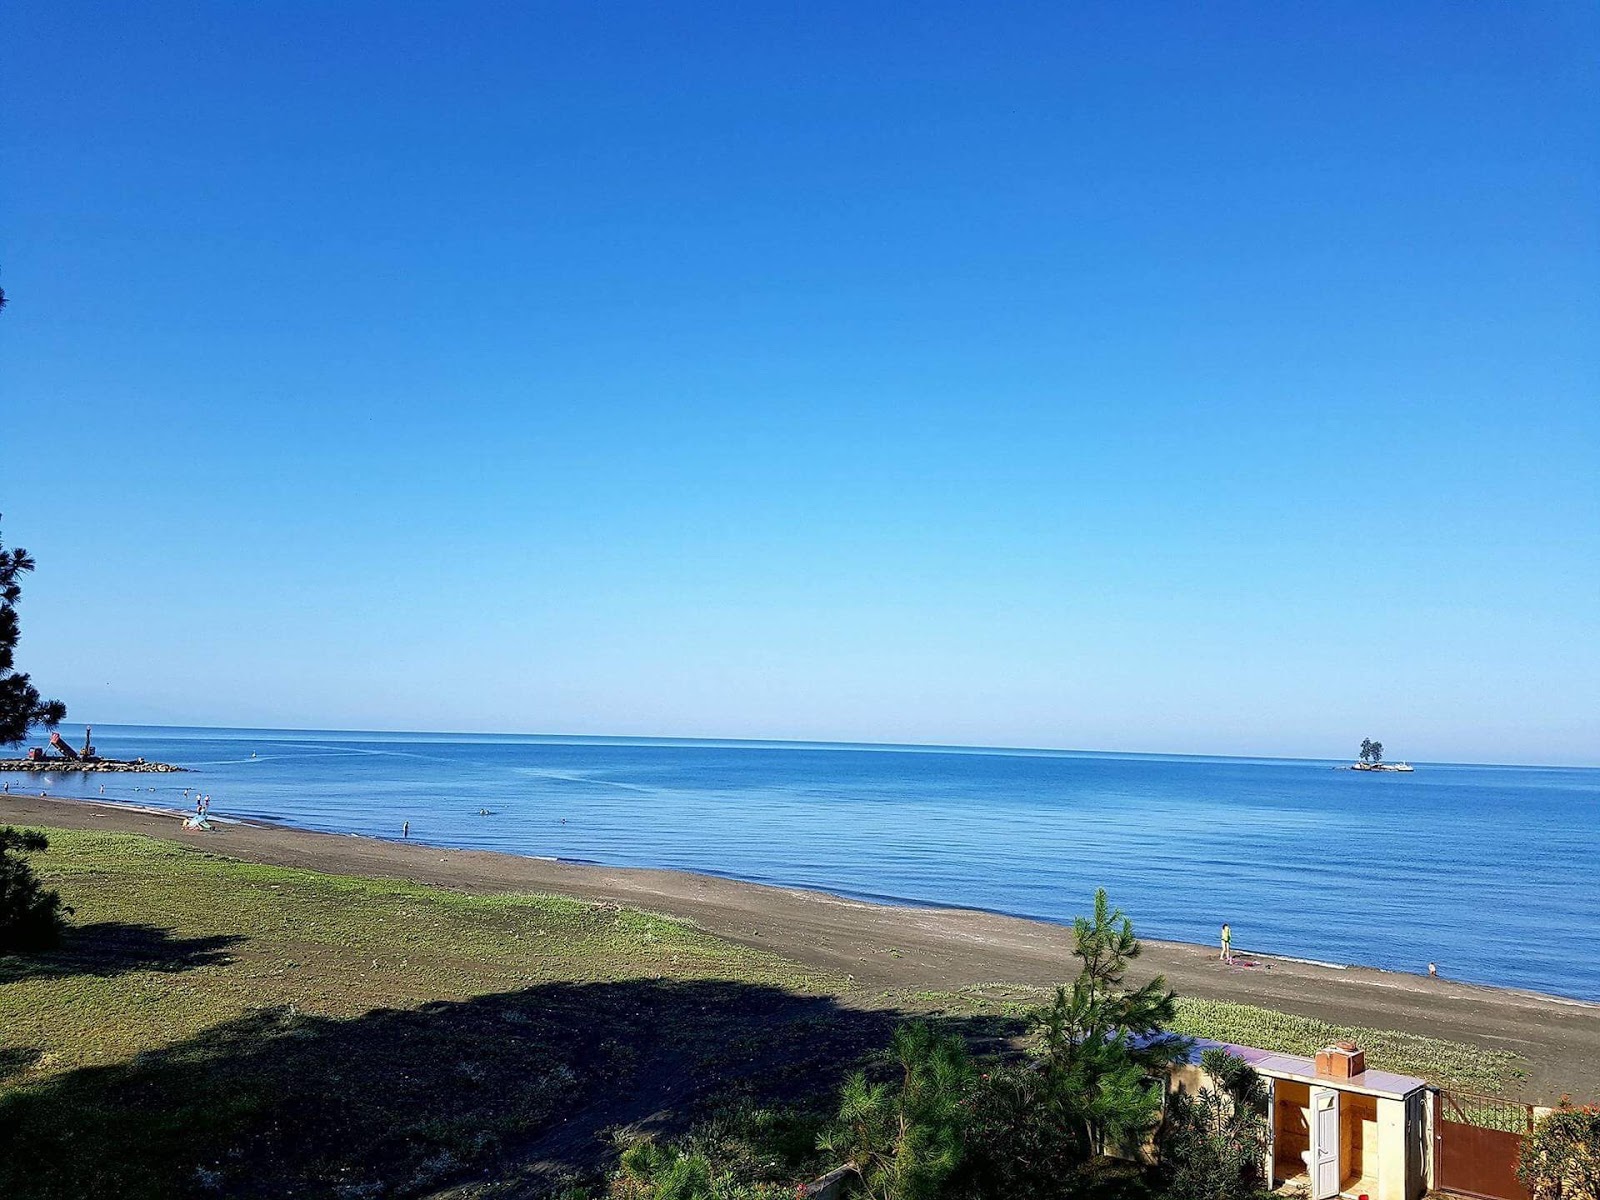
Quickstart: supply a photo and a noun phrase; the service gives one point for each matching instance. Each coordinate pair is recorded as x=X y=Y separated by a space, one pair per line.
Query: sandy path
x=933 y=948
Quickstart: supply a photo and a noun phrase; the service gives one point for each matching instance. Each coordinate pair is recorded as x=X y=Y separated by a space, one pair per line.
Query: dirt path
x=893 y=947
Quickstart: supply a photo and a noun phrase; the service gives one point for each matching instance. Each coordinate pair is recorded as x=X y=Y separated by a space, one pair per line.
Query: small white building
x=1364 y=1136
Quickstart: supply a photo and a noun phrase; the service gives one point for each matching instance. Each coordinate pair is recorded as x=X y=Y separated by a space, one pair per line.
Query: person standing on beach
x=1227 y=943
x=405 y=829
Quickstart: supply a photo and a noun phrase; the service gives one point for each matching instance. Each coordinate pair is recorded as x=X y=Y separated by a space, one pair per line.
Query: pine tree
x=30 y=916
x=20 y=704
x=1101 y=1045
x=904 y=1139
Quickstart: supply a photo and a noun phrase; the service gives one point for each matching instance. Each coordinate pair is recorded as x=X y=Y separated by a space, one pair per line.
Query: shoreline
x=891 y=903
x=887 y=945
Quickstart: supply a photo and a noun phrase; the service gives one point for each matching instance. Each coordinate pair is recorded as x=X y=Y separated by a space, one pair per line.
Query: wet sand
x=885 y=946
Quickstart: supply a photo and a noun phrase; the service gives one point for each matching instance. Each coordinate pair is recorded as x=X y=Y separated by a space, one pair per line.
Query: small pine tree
x=31 y=918
x=651 y=1171
x=903 y=1140
x=1019 y=1145
x=20 y=704
x=1101 y=1045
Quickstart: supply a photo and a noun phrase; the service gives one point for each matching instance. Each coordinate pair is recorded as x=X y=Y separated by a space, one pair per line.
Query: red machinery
x=58 y=743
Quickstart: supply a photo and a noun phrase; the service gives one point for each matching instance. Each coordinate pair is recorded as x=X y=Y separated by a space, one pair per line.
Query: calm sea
x=1492 y=872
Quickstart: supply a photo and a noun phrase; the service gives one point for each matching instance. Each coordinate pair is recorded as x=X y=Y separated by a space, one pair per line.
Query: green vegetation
x=210 y=1022
x=1447 y=1063
x=1213 y=1143
x=1099 y=1054
x=742 y=1152
x=1561 y=1161
x=1371 y=751
x=21 y=706
x=930 y=1126
x=1100 y=1043
x=905 y=1138
x=31 y=916
x=1438 y=1061
x=214 y=1027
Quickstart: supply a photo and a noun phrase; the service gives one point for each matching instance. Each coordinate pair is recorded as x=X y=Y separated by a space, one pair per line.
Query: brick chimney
x=1342 y=1060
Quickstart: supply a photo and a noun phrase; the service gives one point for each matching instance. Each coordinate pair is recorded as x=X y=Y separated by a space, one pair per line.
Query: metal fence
x=1486 y=1112
x=1478 y=1142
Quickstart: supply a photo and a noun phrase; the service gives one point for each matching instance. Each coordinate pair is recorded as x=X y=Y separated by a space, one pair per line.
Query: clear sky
x=1217 y=378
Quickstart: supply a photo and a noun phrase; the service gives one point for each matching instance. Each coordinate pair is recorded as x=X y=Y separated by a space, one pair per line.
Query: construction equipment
x=58 y=743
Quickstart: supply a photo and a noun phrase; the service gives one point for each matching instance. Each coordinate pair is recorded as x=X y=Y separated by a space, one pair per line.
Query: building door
x=1324 y=1143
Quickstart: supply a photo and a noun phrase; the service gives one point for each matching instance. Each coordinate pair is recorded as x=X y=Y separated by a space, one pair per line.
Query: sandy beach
x=901 y=947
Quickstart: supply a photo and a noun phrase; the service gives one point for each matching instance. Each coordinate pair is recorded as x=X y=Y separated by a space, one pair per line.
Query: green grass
x=1447 y=1063
x=330 y=945
x=1434 y=1059
x=219 y=1027
x=214 y=1025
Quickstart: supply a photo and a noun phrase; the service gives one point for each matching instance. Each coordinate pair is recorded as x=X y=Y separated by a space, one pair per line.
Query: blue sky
x=1216 y=378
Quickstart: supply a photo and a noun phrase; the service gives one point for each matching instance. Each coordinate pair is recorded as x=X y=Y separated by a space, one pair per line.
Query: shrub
x=31 y=918
x=1561 y=1158
x=1213 y=1144
x=651 y=1171
x=1019 y=1144
x=904 y=1139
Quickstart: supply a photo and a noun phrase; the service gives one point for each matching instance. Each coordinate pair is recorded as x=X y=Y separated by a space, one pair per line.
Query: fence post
x=1433 y=1138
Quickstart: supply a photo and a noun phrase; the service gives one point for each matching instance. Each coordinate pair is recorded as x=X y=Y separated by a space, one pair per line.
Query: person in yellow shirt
x=1227 y=943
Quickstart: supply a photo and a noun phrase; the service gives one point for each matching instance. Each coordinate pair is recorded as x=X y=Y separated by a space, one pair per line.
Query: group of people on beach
x=202 y=810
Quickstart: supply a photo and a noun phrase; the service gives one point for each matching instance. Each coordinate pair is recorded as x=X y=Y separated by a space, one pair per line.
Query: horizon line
x=932 y=747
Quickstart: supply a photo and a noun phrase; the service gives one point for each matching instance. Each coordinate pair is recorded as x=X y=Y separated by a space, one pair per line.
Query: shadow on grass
x=114 y=948
x=520 y=1087
x=14 y=1060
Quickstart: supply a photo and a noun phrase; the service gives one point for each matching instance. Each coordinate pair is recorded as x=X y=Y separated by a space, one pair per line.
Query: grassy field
x=215 y=1027
x=1449 y=1064
x=1433 y=1059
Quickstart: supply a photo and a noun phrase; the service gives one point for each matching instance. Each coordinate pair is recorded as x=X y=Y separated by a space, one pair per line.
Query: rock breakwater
x=55 y=766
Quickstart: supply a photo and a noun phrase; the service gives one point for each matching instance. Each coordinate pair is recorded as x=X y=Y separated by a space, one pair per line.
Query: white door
x=1324 y=1143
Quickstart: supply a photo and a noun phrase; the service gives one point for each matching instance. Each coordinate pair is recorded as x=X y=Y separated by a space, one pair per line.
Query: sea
x=1492 y=872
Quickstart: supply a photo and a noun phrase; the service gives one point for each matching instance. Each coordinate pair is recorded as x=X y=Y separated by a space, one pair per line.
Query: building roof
x=1304 y=1070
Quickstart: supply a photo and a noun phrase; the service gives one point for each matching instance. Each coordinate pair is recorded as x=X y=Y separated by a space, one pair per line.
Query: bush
x=1561 y=1159
x=1213 y=1144
x=31 y=918
x=651 y=1171
x=904 y=1139
x=1019 y=1144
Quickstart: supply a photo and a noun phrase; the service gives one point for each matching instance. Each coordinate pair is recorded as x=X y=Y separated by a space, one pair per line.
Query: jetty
x=40 y=761
x=55 y=766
